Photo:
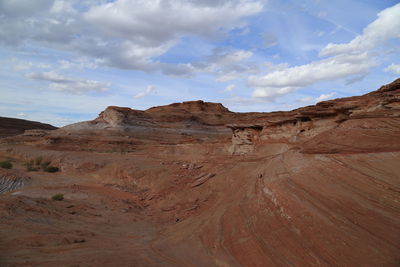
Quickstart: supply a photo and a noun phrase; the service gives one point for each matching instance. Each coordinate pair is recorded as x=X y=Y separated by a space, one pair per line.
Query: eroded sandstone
x=316 y=186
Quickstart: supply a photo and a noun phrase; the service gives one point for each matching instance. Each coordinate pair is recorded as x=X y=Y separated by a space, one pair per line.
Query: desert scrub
x=58 y=197
x=38 y=163
x=51 y=169
x=6 y=164
x=30 y=166
x=38 y=160
x=44 y=165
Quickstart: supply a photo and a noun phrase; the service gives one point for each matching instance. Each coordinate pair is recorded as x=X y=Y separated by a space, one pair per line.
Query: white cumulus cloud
x=393 y=68
x=325 y=96
x=285 y=81
x=385 y=27
x=229 y=88
x=150 y=89
x=153 y=22
x=125 y=34
x=342 y=60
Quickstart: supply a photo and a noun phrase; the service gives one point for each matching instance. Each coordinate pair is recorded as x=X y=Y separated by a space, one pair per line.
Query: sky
x=64 y=61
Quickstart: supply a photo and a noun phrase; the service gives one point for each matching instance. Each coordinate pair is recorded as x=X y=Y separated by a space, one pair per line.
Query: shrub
x=30 y=167
x=51 y=169
x=58 y=197
x=44 y=165
x=38 y=160
x=6 y=164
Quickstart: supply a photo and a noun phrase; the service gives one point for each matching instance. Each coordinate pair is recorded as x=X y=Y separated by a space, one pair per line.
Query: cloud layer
x=287 y=80
x=125 y=34
x=384 y=28
x=59 y=82
x=150 y=89
x=343 y=60
x=395 y=68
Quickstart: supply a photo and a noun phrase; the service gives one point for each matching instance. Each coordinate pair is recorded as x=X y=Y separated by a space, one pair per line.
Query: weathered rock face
x=316 y=186
x=244 y=138
x=194 y=107
x=187 y=112
x=114 y=115
x=374 y=117
x=118 y=116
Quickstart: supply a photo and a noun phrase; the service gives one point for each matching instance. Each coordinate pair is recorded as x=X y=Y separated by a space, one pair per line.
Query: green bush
x=6 y=164
x=51 y=169
x=58 y=197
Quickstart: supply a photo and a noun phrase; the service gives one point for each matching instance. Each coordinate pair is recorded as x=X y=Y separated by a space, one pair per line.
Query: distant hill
x=12 y=126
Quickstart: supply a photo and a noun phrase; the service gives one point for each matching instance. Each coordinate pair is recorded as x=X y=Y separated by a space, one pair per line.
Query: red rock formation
x=368 y=123
x=316 y=186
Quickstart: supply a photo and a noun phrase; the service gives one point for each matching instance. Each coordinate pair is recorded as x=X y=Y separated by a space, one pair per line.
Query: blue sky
x=65 y=61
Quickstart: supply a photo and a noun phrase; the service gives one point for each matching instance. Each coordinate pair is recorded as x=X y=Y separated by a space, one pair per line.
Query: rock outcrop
x=356 y=124
x=244 y=138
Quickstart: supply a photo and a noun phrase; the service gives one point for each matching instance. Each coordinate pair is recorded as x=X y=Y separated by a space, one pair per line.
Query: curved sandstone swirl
x=193 y=184
x=292 y=209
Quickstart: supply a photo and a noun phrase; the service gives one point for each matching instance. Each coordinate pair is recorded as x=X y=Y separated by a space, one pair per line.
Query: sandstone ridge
x=304 y=128
x=11 y=126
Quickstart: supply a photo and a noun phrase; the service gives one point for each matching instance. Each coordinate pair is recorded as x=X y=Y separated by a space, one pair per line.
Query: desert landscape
x=194 y=184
